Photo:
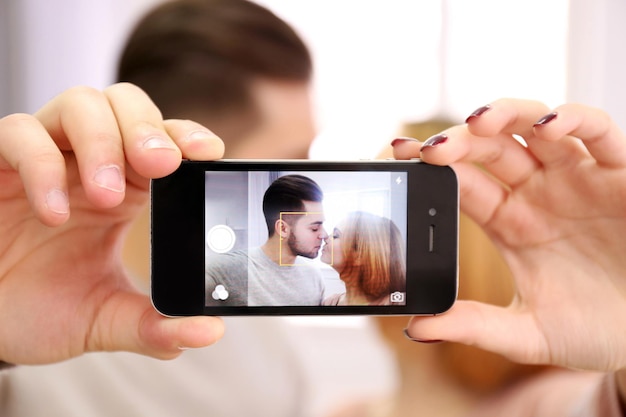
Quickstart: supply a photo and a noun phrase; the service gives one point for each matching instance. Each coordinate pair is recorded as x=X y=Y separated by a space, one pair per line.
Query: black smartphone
x=302 y=237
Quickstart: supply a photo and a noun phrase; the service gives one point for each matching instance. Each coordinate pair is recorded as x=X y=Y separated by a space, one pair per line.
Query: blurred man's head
x=230 y=64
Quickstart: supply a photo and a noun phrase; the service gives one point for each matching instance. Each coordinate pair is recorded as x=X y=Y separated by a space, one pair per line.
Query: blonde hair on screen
x=373 y=249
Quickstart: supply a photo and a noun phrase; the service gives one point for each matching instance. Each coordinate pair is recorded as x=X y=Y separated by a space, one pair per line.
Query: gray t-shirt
x=251 y=278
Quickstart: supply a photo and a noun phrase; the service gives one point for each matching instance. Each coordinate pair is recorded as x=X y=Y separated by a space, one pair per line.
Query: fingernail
x=110 y=178
x=435 y=140
x=413 y=339
x=478 y=112
x=157 y=142
x=546 y=119
x=200 y=135
x=402 y=139
x=57 y=202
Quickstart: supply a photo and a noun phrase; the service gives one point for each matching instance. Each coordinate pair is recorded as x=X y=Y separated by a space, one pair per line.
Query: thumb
x=132 y=324
x=167 y=337
x=508 y=331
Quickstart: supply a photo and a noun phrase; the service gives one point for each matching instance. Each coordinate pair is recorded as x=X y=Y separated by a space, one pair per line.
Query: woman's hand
x=556 y=208
x=72 y=178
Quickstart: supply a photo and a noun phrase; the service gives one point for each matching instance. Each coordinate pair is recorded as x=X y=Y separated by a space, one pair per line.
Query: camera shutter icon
x=221 y=238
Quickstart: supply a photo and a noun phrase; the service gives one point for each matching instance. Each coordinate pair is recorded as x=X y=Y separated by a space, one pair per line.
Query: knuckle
x=82 y=93
x=47 y=155
x=17 y=120
x=81 y=100
x=41 y=159
x=126 y=89
x=124 y=85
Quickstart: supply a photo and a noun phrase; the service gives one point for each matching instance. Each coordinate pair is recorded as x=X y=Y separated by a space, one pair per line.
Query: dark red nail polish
x=435 y=140
x=546 y=119
x=403 y=139
x=478 y=112
x=413 y=339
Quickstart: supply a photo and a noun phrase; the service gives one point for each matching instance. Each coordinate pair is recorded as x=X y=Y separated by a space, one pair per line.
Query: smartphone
x=302 y=237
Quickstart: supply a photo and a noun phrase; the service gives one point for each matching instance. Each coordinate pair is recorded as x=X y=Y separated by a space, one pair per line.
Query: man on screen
x=274 y=274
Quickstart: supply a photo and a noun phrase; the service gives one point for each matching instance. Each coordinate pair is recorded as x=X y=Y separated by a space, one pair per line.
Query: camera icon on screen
x=396 y=297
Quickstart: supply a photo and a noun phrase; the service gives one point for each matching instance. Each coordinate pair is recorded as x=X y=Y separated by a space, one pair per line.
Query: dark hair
x=203 y=55
x=287 y=194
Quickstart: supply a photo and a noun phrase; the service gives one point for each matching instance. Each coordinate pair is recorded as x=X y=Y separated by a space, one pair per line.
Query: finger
x=503 y=118
x=566 y=152
x=507 y=115
x=82 y=119
x=165 y=338
x=487 y=327
x=127 y=321
x=480 y=196
x=501 y=155
x=194 y=140
x=600 y=135
x=26 y=147
x=149 y=149
x=406 y=148
x=518 y=117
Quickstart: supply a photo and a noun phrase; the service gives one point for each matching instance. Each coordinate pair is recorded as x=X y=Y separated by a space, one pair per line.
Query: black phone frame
x=178 y=239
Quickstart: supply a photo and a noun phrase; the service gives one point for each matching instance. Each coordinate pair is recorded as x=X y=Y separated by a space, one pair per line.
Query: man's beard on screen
x=298 y=250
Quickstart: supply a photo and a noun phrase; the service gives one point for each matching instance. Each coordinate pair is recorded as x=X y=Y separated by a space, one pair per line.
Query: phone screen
x=356 y=231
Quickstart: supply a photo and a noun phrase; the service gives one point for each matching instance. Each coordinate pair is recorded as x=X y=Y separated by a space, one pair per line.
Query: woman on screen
x=368 y=253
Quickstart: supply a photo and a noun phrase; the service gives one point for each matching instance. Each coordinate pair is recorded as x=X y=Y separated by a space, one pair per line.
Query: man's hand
x=72 y=178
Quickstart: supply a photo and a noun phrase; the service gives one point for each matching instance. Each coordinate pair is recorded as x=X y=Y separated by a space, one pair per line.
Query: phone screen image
x=242 y=237
x=305 y=238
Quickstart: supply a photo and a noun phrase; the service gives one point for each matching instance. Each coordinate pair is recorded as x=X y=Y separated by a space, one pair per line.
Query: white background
x=376 y=66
